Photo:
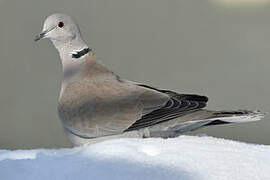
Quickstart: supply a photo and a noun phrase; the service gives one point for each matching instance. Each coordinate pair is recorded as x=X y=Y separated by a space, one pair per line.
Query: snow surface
x=185 y=158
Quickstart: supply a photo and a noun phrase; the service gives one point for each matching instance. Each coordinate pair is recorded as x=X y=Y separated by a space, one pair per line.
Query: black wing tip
x=195 y=97
x=189 y=97
x=178 y=105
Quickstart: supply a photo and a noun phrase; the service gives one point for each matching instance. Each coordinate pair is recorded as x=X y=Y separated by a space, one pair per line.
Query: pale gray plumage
x=95 y=104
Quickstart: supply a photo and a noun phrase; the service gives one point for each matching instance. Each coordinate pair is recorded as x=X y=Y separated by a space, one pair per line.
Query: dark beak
x=43 y=34
x=40 y=36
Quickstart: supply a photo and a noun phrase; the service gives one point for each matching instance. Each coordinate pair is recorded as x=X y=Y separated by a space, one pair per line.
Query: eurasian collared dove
x=96 y=104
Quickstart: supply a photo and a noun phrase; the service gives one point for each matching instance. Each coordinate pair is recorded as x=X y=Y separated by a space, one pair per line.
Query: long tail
x=210 y=118
x=240 y=116
x=202 y=118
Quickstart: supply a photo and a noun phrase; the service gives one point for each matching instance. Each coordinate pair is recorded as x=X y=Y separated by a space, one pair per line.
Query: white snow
x=185 y=158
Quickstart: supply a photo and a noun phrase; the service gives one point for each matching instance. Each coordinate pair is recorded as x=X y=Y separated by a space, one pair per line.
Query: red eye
x=60 y=24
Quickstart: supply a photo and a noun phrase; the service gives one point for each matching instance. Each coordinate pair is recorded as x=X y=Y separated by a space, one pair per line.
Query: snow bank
x=185 y=158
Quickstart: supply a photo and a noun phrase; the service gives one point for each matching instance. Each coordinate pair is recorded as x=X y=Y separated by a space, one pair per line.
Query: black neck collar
x=81 y=53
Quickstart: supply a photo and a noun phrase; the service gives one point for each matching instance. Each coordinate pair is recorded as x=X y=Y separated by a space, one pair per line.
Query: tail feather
x=240 y=116
x=204 y=118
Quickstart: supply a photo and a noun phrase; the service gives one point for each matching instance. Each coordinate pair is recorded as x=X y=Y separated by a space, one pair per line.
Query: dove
x=95 y=104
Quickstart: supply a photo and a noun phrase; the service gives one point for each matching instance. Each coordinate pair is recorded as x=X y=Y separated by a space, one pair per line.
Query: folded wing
x=177 y=105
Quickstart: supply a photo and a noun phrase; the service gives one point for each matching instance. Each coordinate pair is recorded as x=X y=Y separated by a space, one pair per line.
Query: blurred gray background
x=218 y=48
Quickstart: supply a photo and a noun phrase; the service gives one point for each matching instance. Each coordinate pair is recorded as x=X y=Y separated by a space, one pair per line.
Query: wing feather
x=178 y=105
